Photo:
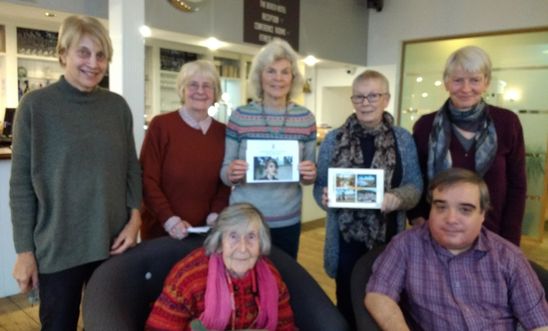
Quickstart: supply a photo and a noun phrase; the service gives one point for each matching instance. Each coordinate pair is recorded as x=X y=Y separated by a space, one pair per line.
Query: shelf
x=37 y=57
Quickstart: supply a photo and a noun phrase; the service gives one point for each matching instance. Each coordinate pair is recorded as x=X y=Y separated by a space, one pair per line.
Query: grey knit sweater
x=74 y=176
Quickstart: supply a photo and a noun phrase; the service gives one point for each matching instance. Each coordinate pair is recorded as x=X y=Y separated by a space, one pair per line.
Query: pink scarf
x=217 y=311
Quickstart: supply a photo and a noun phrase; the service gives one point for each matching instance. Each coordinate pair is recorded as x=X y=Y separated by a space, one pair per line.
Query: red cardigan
x=181 y=169
x=506 y=178
x=182 y=298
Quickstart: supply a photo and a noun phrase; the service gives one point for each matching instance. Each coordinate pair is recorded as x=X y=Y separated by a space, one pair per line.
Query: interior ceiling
x=32 y=14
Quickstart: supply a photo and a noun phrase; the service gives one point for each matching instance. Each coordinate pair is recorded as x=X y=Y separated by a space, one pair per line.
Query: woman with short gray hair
x=467 y=132
x=228 y=284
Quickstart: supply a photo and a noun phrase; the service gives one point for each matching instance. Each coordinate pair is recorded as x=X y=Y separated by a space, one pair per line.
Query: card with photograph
x=272 y=161
x=355 y=188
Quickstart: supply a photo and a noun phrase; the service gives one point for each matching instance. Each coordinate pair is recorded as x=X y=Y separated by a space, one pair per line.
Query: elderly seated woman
x=228 y=283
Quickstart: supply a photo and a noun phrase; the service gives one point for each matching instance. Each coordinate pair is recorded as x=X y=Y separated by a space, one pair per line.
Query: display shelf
x=36 y=72
x=37 y=58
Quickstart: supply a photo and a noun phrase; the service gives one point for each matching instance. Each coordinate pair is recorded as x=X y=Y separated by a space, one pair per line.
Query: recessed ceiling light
x=49 y=14
x=310 y=60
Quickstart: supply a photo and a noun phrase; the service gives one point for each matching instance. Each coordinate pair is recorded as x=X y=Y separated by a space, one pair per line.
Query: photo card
x=272 y=161
x=355 y=188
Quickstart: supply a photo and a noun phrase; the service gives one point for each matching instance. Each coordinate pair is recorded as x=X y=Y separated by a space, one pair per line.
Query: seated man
x=455 y=274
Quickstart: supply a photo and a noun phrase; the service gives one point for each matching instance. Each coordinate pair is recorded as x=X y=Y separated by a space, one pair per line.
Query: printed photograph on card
x=355 y=188
x=272 y=161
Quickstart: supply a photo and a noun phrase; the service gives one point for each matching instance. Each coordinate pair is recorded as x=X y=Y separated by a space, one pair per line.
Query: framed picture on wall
x=355 y=188
x=272 y=161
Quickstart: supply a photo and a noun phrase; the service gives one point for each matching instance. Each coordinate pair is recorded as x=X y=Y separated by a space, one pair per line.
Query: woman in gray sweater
x=75 y=185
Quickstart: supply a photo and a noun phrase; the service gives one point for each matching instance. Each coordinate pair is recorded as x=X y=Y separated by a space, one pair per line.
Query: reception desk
x=8 y=286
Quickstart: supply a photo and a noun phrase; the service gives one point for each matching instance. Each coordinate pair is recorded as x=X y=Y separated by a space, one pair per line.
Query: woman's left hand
x=128 y=236
x=390 y=203
x=307 y=169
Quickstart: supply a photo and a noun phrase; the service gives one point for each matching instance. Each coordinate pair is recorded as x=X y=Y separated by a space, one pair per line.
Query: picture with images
x=355 y=188
x=272 y=161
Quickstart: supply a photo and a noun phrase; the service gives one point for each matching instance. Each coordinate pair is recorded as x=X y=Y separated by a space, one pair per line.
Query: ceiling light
x=310 y=60
x=213 y=43
x=424 y=95
x=49 y=14
x=145 y=31
x=419 y=79
x=437 y=83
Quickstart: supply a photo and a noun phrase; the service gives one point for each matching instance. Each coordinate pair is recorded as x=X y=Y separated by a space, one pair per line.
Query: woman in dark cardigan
x=469 y=133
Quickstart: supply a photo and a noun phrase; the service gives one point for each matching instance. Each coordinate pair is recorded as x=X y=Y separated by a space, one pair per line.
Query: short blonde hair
x=275 y=50
x=75 y=27
x=471 y=59
x=199 y=67
x=372 y=75
x=239 y=215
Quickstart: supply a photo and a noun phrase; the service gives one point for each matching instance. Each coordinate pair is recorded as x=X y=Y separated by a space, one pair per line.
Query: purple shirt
x=489 y=287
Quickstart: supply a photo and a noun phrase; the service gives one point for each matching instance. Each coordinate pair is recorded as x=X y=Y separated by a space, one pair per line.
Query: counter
x=5 y=153
x=8 y=286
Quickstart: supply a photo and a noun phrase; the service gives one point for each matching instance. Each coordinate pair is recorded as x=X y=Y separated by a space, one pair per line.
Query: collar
x=202 y=125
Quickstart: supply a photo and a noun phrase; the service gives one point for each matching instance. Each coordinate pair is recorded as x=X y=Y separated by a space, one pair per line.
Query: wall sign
x=266 y=19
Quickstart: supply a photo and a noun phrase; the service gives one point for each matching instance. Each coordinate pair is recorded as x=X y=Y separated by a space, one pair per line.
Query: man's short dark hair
x=452 y=176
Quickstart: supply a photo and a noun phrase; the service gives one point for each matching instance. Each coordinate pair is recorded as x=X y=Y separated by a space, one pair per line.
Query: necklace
x=268 y=126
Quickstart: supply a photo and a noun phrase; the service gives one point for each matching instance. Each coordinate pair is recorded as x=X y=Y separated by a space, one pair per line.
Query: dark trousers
x=349 y=253
x=287 y=238
x=60 y=295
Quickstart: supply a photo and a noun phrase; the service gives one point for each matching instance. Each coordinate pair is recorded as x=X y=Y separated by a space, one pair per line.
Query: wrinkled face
x=271 y=169
x=455 y=217
x=241 y=248
x=199 y=93
x=370 y=113
x=85 y=64
x=276 y=80
x=466 y=89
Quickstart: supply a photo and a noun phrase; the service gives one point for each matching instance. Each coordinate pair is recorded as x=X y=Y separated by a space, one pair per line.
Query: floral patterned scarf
x=365 y=225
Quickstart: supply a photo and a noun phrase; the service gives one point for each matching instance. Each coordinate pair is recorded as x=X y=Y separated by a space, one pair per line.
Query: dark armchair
x=362 y=271
x=120 y=293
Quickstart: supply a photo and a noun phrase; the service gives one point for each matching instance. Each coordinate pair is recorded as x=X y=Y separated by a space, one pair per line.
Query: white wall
x=418 y=19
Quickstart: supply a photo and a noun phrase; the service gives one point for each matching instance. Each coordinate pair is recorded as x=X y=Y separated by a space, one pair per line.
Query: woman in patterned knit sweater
x=274 y=78
x=228 y=284
x=181 y=157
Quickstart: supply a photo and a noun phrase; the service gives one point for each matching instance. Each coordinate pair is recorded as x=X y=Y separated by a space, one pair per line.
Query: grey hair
x=371 y=75
x=275 y=50
x=199 y=67
x=471 y=59
x=238 y=215
x=453 y=176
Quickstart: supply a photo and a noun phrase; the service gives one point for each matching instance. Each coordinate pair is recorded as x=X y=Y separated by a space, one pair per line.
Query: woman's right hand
x=176 y=227
x=25 y=271
x=236 y=171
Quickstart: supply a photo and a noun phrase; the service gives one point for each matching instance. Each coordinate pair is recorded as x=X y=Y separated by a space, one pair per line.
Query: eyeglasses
x=371 y=98
x=195 y=86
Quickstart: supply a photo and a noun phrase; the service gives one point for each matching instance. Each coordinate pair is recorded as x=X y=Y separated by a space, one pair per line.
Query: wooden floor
x=16 y=314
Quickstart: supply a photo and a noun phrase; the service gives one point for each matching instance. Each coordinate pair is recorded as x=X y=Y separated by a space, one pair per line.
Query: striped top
x=182 y=298
x=280 y=203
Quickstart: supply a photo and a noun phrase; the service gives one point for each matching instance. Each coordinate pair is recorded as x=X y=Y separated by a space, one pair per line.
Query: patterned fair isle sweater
x=280 y=203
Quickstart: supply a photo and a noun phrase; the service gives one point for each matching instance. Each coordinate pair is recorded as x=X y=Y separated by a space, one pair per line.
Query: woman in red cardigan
x=228 y=284
x=181 y=158
x=469 y=133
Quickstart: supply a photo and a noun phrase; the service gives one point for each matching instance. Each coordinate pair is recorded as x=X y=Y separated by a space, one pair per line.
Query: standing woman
x=368 y=139
x=468 y=133
x=181 y=157
x=75 y=185
x=274 y=79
